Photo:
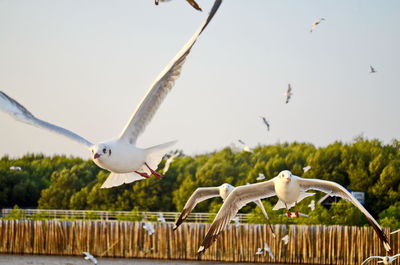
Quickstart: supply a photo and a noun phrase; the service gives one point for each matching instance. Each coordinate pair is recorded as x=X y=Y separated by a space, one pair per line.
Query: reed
x=316 y=244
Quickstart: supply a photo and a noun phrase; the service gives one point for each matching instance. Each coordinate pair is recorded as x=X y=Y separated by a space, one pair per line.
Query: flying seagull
x=372 y=70
x=15 y=168
x=288 y=94
x=265 y=122
x=120 y=156
x=285 y=239
x=245 y=147
x=307 y=168
x=261 y=176
x=268 y=250
x=288 y=188
x=170 y=159
x=312 y=205
x=385 y=260
x=191 y=2
x=202 y=194
x=149 y=227
x=259 y=251
x=315 y=24
x=90 y=257
x=161 y=218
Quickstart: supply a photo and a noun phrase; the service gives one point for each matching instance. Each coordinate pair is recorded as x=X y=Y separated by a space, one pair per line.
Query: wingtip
x=200 y=250
x=174 y=227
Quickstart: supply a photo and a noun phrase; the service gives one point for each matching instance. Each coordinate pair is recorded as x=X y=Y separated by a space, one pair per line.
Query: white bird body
x=289 y=189
x=90 y=257
x=261 y=176
x=15 y=168
x=120 y=156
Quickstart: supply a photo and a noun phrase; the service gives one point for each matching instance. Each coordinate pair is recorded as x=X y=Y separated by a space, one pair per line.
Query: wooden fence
x=315 y=244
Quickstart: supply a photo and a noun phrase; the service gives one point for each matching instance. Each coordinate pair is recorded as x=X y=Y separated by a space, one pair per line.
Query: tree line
x=61 y=182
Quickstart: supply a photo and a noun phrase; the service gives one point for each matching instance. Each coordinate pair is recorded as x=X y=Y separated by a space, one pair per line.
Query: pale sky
x=85 y=65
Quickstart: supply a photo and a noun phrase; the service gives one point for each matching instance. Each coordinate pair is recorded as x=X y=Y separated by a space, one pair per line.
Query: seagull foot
x=289 y=214
x=297 y=214
x=143 y=174
x=157 y=175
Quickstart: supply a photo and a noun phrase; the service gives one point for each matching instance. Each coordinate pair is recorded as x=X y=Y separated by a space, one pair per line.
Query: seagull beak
x=96 y=155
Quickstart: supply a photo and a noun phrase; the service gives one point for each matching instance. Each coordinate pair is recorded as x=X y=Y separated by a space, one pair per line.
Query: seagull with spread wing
x=202 y=194
x=191 y=2
x=90 y=257
x=288 y=188
x=288 y=94
x=372 y=70
x=120 y=156
x=315 y=24
x=265 y=122
x=385 y=260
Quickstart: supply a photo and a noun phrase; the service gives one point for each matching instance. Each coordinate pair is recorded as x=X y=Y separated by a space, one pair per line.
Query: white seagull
x=191 y=2
x=161 y=218
x=15 y=168
x=259 y=251
x=90 y=257
x=268 y=250
x=288 y=94
x=385 y=260
x=288 y=188
x=372 y=69
x=261 y=176
x=236 y=220
x=316 y=23
x=120 y=156
x=149 y=227
x=285 y=239
x=307 y=168
x=312 y=205
x=202 y=194
x=245 y=147
x=170 y=159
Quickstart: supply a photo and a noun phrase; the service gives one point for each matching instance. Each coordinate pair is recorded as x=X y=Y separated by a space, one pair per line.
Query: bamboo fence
x=316 y=244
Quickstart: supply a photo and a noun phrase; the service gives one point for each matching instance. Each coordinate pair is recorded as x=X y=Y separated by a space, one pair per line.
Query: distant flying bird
x=372 y=69
x=161 y=218
x=266 y=122
x=288 y=94
x=385 y=260
x=170 y=159
x=90 y=257
x=316 y=23
x=259 y=251
x=236 y=220
x=202 y=194
x=307 y=168
x=312 y=205
x=285 y=239
x=149 y=227
x=268 y=250
x=394 y=232
x=260 y=176
x=191 y=2
x=290 y=189
x=245 y=147
x=120 y=156
x=16 y=168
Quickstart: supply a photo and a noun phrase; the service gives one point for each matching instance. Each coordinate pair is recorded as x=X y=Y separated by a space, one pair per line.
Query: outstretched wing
x=335 y=189
x=20 y=113
x=161 y=86
x=370 y=258
x=238 y=198
x=199 y=195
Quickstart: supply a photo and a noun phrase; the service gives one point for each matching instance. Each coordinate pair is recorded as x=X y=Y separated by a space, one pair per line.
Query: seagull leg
x=288 y=213
x=143 y=174
x=296 y=211
x=152 y=171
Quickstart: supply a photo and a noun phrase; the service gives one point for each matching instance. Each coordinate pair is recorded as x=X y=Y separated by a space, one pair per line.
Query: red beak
x=96 y=155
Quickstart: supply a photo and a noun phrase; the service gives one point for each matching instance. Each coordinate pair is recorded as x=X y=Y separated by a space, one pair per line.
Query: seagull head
x=227 y=187
x=285 y=176
x=100 y=150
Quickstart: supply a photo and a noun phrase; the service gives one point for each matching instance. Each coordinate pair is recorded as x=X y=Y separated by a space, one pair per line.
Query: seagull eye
x=104 y=150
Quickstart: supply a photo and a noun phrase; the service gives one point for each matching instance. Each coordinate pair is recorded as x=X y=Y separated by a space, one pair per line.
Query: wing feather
x=335 y=189
x=20 y=113
x=238 y=198
x=161 y=86
x=199 y=195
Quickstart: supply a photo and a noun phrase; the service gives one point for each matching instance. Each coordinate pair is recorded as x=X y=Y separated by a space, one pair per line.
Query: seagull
x=15 y=168
x=289 y=189
x=259 y=251
x=149 y=227
x=120 y=156
x=385 y=260
x=267 y=249
x=245 y=148
x=236 y=220
x=191 y=2
x=90 y=257
x=265 y=122
x=312 y=205
x=288 y=93
x=285 y=239
x=394 y=232
x=202 y=194
x=170 y=159
x=161 y=218
x=372 y=70
x=307 y=168
x=316 y=23
x=261 y=176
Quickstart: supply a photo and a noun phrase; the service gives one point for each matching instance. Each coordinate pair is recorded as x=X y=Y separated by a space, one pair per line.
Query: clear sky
x=85 y=65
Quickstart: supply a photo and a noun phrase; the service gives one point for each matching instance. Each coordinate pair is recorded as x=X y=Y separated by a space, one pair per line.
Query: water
x=73 y=260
